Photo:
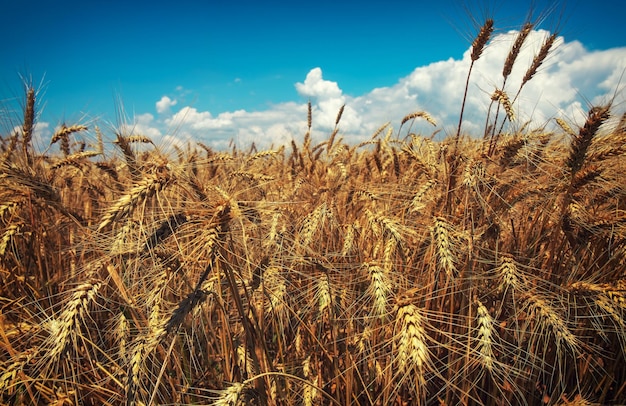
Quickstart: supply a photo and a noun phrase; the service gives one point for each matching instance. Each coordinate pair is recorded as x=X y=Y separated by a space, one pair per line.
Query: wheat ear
x=441 y=238
x=539 y=59
x=71 y=317
x=582 y=141
x=549 y=319
x=127 y=203
x=477 y=49
x=486 y=335
x=29 y=122
x=412 y=355
x=516 y=48
x=379 y=289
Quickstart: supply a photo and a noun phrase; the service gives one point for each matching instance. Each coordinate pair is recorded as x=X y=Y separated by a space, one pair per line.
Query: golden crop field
x=400 y=271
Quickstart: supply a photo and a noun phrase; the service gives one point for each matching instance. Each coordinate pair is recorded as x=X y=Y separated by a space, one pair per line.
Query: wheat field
x=401 y=271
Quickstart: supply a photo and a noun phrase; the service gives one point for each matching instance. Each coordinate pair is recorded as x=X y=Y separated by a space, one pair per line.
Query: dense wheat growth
x=403 y=270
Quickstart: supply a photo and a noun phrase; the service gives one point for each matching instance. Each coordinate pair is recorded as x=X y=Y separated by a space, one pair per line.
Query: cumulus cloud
x=327 y=99
x=143 y=124
x=164 y=105
x=315 y=86
x=278 y=125
x=570 y=79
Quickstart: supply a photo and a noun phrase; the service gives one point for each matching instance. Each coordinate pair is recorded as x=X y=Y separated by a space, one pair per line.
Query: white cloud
x=143 y=124
x=164 y=105
x=315 y=86
x=278 y=125
x=570 y=78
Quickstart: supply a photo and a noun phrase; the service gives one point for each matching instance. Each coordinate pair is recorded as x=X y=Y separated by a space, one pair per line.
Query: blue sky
x=218 y=66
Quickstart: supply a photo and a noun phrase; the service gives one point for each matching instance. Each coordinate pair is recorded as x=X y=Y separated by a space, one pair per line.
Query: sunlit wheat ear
x=73 y=315
x=311 y=224
x=481 y=39
x=509 y=275
x=28 y=125
x=501 y=97
x=13 y=367
x=379 y=289
x=9 y=149
x=539 y=59
x=309 y=116
x=581 y=142
x=477 y=49
x=310 y=394
x=348 y=240
x=473 y=174
x=417 y=114
x=75 y=159
x=262 y=154
x=146 y=344
x=245 y=360
x=339 y=114
x=418 y=202
x=389 y=251
x=323 y=295
x=63 y=133
x=550 y=321
x=412 y=354
x=273 y=230
x=131 y=160
x=275 y=287
x=440 y=232
x=137 y=195
x=516 y=48
x=8 y=235
x=122 y=331
x=565 y=127
x=378 y=131
x=486 y=335
x=611 y=299
x=231 y=396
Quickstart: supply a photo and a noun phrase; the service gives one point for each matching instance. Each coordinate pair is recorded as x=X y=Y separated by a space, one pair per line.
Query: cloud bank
x=571 y=79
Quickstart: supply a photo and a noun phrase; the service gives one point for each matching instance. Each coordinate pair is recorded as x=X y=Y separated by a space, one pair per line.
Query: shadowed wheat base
x=399 y=271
